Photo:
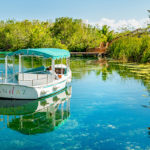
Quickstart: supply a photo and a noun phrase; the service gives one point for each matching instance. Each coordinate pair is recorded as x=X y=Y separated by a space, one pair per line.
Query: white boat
x=37 y=82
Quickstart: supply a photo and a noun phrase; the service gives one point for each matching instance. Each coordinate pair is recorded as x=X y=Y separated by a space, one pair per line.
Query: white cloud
x=118 y=24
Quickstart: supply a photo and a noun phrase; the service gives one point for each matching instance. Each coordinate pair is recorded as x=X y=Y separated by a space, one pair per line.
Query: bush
x=131 y=49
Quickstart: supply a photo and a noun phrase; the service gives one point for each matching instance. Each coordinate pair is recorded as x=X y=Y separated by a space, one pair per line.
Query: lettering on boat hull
x=17 y=91
x=23 y=92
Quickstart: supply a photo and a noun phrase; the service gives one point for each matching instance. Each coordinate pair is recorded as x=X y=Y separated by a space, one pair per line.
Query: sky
x=114 y=13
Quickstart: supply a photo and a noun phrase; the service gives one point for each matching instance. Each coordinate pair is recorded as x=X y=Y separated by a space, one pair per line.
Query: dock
x=86 y=53
x=101 y=51
x=91 y=52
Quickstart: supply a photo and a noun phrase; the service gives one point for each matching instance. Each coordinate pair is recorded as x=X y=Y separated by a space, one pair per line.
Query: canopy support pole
x=43 y=62
x=61 y=66
x=22 y=67
x=19 y=63
x=53 y=69
x=6 y=59
x=22 y=63
x=67 y=63
x=32 y=61
x=13 y=59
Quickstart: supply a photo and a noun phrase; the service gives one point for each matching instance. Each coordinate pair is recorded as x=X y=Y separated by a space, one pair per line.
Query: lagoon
x=106 y=107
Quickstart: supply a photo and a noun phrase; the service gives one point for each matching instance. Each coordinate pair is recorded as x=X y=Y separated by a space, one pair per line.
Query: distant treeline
x=65 y=33
x=131 y=48
x=74 y=35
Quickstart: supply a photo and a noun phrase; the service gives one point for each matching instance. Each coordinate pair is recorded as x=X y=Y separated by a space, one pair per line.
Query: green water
x=106 y=107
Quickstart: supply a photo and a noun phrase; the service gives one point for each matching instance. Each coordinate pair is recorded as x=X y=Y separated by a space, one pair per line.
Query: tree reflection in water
x=105 y=70
x=36 y=116
x=102 y=68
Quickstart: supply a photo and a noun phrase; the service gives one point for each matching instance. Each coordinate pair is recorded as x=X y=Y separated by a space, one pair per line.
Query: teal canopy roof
x=54 y=53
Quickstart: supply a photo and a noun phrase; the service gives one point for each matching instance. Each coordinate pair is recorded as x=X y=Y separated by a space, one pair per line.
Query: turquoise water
x=106 y=107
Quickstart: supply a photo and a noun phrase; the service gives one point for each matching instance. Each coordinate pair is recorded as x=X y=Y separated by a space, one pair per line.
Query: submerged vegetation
x=66 y=33
x=105 y=70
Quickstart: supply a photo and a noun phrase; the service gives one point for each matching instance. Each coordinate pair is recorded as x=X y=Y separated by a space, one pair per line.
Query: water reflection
x=105 y=68
x=110 y=103
x=36 y=116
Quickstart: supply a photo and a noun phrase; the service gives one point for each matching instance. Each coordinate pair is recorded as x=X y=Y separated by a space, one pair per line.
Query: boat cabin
x=39 y=75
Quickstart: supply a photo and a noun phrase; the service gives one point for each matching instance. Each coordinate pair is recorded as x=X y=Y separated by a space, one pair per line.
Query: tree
x=65 y=32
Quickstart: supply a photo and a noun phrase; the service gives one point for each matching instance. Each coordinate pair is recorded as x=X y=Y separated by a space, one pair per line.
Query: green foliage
x=25 y=34
x=65 y=33
x=131 y=48
x=76 y=35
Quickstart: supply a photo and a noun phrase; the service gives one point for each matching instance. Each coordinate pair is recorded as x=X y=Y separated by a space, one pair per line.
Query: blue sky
x=95 y=11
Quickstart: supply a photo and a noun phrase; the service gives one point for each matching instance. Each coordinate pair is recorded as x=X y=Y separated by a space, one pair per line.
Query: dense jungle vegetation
x=131 y=48
x=66 y=33
x=74 y=35
x=135 y=47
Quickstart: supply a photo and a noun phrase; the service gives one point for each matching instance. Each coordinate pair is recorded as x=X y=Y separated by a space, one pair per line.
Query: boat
x=37 y=82
x=32 y=117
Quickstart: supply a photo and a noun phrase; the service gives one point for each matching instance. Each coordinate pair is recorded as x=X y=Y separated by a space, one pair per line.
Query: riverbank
x=132 y=48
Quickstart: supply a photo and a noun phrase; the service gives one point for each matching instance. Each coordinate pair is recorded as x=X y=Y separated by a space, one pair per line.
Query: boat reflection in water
x=36 y=116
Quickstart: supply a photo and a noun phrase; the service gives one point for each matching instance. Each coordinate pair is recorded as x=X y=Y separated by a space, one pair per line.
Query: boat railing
x=29 y=78
x=34 y=79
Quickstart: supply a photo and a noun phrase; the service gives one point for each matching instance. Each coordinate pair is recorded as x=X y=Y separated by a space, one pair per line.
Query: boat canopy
x=4 y=53
x=54 y=53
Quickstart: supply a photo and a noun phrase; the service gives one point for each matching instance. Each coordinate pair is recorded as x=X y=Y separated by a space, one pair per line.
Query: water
x=108 y=109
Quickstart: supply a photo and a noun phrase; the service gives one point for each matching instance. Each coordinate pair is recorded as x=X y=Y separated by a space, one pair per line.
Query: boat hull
x=51 y=89
x=19 y=91
x=12 y=91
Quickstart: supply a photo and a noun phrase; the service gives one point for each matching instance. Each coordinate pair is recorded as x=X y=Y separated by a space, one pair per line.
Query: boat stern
x=14 y=91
